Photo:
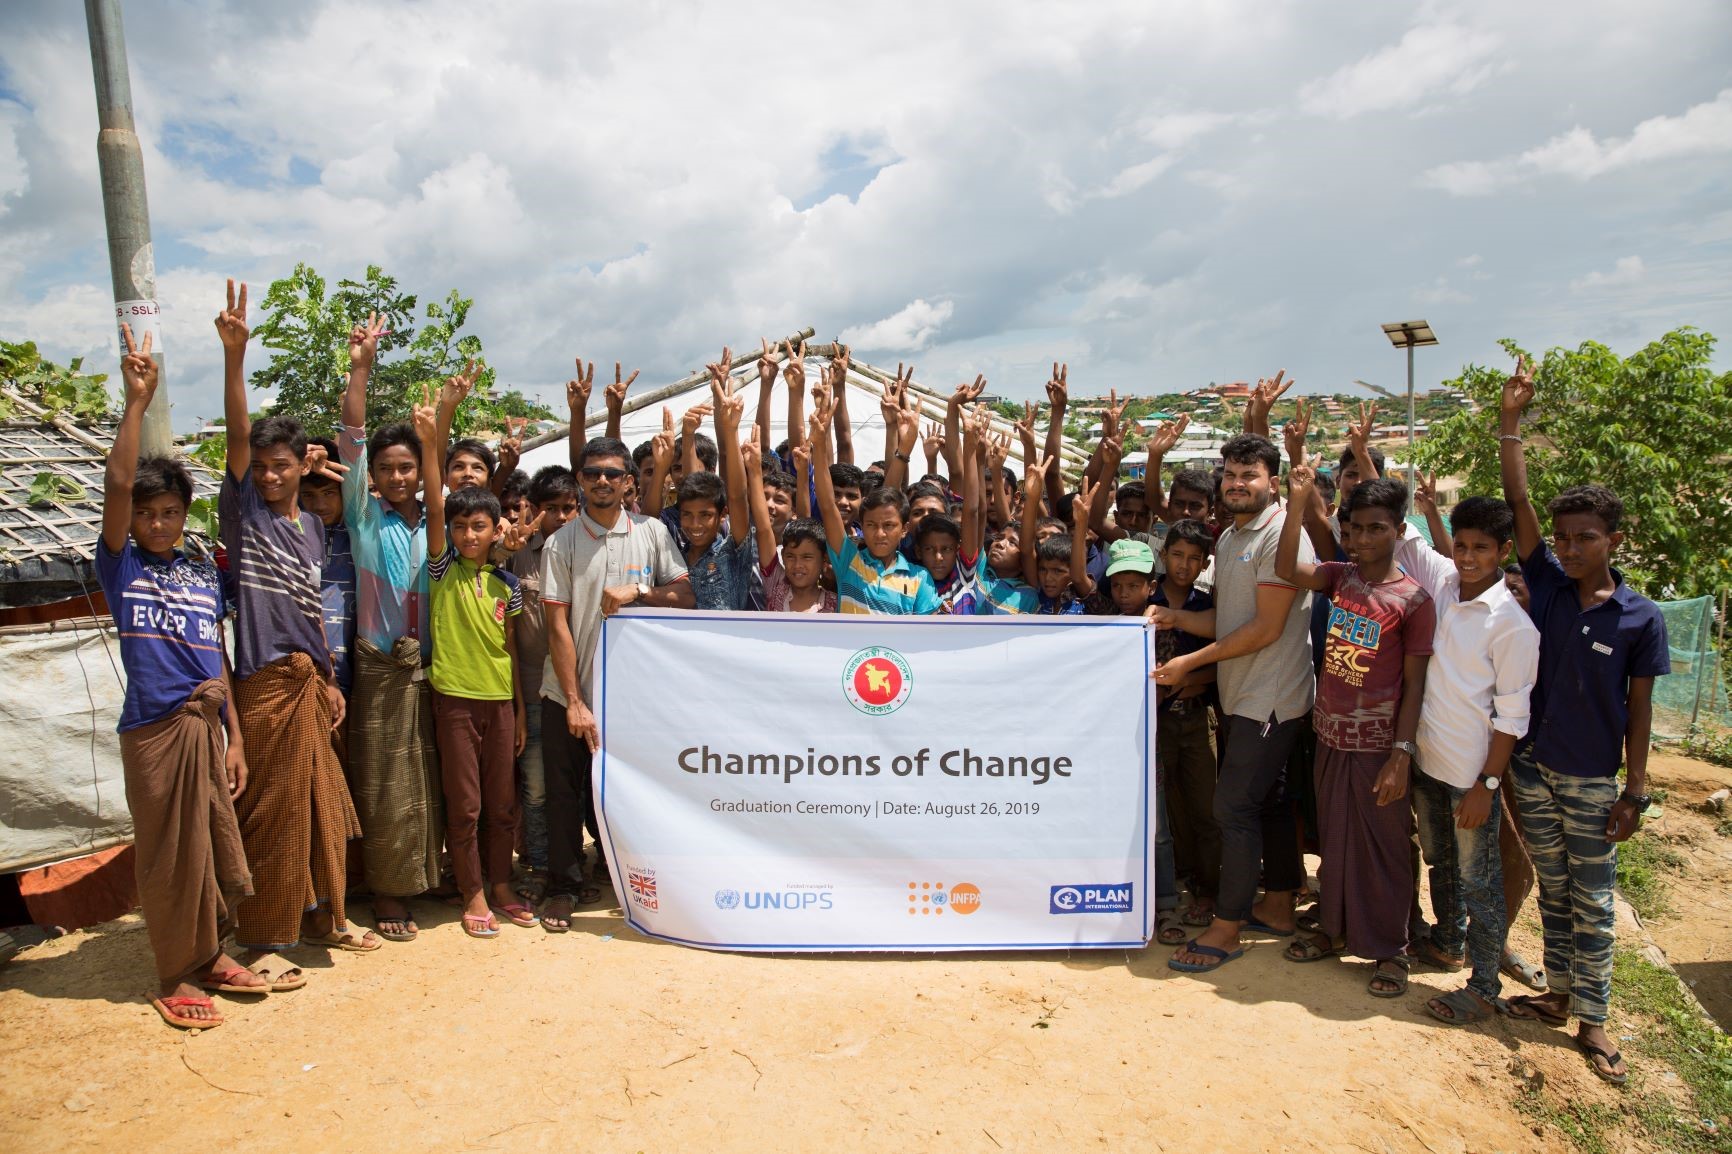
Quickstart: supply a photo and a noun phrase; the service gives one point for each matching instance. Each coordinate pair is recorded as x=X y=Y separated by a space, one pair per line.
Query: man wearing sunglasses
x=604 y=559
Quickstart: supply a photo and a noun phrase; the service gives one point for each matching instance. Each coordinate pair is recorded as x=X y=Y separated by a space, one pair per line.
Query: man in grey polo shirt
x=601 y=561
x=1263 y=672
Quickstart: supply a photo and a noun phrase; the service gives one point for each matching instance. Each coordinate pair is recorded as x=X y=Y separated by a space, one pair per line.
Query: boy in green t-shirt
x=477 y=704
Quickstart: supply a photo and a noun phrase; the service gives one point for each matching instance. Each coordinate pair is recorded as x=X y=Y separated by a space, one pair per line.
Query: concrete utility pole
x=131 y=261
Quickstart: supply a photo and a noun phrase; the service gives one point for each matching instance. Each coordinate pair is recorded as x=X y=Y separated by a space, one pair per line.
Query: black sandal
x=1534 y=1008
x=1605 y=1073
x=1381 y=973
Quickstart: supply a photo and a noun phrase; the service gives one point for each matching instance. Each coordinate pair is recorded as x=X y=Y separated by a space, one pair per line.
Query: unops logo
x=877 y=680
x=727 y=899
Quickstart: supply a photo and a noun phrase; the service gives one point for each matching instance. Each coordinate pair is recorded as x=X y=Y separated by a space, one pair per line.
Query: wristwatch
x=1408 y=748
x=642 y=590
x=1489 y=781
x=1640 y=800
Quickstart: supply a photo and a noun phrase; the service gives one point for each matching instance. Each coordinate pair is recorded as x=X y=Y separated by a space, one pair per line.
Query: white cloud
x=908 y=330
x=1701 y=130
x=1132 y=187
x=1429 y=60
x=1627 y=271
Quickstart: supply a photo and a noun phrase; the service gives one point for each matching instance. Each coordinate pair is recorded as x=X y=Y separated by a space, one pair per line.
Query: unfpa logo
x=932 y=899
x=877 y=680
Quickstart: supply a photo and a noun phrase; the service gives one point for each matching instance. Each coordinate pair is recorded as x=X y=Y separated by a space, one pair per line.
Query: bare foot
x=1275 y=910
x=1607 y=1061
x=392 y=917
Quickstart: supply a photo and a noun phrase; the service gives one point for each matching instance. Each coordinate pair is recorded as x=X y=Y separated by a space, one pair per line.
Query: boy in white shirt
x=1484 y=662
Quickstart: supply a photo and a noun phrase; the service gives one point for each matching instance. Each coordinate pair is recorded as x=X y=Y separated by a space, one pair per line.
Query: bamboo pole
x=656 y=396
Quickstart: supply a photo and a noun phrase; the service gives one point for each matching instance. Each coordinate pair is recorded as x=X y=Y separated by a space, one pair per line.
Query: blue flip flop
x=1222 y=958
x=1258 y=927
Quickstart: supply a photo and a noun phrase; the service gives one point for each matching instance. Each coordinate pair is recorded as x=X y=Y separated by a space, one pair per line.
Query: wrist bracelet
x=1516 y=437
x=903 y=457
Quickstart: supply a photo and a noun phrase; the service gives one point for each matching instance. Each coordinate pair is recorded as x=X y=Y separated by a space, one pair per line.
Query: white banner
x=784 y=782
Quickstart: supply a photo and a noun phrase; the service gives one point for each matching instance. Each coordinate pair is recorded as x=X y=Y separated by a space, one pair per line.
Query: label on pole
x=143 y=317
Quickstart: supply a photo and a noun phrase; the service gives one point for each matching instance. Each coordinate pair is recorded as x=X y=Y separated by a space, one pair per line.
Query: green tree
x=57 y=388
x=1650 y=426
x=307 y=332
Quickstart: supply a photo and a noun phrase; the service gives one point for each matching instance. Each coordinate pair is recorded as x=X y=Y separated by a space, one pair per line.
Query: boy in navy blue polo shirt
x=1601 y=646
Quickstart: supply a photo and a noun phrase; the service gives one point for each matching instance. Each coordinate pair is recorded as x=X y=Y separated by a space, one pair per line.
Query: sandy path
x=621 y=1043
x=1696 y=932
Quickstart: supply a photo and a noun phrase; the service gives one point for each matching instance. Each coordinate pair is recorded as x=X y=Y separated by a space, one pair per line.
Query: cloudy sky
x=1161 y=194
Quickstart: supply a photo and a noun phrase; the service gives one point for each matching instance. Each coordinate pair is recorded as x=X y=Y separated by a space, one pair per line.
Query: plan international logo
x=877 y=680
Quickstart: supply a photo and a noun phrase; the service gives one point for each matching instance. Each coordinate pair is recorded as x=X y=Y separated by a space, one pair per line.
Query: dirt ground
x=1696 y=931
x=610 y=1041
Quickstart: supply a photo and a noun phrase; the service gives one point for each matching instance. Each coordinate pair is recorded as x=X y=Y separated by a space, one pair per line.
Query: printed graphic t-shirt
x=1371 y=630
x=169 y=613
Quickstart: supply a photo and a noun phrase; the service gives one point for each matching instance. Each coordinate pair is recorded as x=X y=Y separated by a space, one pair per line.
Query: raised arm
x=425 y=417
x=901 y=429
x=139 y=376
x=803 y=479
x=794 y=373
x=510 y=454
x=1033 y=480
x=835 y=532
x=839 y=394
x=650 y=499
x=615 y=398
x=690 y=423
x=363 y=352
x=577 y=392
x=1081 y=511
x=231 y=326
x=1359 y=440
x=730 y=409
x=766 y=382
x=1058 y=397
x=951 y=446
x=1313 y=513
x=972 y=429
x=1261 y=400
x=1301 y=477
x=996 y=502
x=1425 y=500
x=1518 y=394
x=1111 y=451
x=752 y=465
x=1165 y=437
x=451 y=397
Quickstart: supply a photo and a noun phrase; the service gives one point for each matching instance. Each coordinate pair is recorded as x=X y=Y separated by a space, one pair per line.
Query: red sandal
x=167 y=1007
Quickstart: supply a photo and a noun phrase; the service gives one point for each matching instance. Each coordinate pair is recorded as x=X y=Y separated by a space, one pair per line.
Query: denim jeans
x=1466 y=881
x=1166 y=873
x=532 y=791
x=1563 y=821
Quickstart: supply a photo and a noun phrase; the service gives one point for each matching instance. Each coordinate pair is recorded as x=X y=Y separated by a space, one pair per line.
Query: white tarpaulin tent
x=61 y=790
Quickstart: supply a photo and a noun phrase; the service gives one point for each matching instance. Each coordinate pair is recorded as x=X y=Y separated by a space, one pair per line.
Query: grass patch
x=1724 y=827
x=1674 y=1031
x=1584 y=1124
x=1644 y=863
x=1711 y=744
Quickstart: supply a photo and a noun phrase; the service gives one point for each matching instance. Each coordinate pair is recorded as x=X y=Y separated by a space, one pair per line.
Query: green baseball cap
x=1129 y=556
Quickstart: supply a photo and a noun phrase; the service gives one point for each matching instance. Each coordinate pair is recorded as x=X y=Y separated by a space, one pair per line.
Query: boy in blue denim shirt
x=1601 y=646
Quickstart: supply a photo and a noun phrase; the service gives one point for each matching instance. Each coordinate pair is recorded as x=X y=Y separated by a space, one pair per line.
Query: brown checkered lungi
x=295 y=814
x=191 y=868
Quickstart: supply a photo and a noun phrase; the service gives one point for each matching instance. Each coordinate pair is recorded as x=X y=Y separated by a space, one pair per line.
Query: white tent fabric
x=60 y=774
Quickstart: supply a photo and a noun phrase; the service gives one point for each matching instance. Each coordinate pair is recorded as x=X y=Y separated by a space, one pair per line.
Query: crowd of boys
x=408 y=708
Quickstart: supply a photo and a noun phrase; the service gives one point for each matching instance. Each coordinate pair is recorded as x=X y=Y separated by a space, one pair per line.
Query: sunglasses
x=597 y=473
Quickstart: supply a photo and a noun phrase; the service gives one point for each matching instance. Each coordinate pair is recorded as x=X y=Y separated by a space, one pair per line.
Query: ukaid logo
x=877 y=680
x=642 y=884
x=1095 y=899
